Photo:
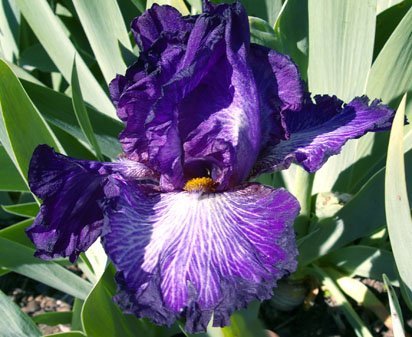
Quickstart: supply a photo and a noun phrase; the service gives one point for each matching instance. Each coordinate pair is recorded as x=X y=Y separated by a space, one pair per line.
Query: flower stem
x=302 y=190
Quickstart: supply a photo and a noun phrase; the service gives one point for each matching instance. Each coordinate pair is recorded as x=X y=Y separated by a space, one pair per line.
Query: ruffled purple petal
x=197 y=104
x=320 y=129
x=280 y=88
x=70 y=218
x=158 y=20
x=188 y=255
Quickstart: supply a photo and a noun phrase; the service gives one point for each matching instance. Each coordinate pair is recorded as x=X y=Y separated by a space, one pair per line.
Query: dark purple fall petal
x=320 y=129
x=70 y=218
x=186 y=255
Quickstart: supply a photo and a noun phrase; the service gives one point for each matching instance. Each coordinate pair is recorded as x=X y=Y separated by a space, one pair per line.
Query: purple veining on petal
x=321 y=128
x=182 y=254
x=70 y=218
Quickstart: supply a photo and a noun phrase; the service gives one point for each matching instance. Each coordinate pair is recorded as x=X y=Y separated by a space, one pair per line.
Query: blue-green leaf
x=81 y=113
x=13 y=321
x=397 y=207
x=20 y=259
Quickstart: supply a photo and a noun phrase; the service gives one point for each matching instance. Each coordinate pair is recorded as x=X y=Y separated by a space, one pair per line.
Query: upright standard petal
x=70 y=218
x=320 y=129
x=190 y=255
x=192 y=102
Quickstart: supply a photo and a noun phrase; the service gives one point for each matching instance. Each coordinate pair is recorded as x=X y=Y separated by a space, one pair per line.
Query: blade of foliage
x=97 y=259
x=291 y=29
x=178 y=4
x=385 y=4
x=13 y=321
x=102 y=317
x=36 y=57
x=262 y=33
x=366 y=298
x=341 y=35
x=9 y=27
x=103 y=24
x=363 y=261
x=81 y=113
x=361 y=216
x=105 y=128
x=49 y=30
x=16 y=233
x=363 y=296
x=76 y=319
x=21 y=126
x=23 y=74
x=389 y=78
x=140 y=5
x=20 y=259
x=354 y=320
x=53 y=318
x=387 y=21
x=27 y=210
x=396 y=311
x=267 y=10
x=10 y=179
x=391 y=72
x=397 y=208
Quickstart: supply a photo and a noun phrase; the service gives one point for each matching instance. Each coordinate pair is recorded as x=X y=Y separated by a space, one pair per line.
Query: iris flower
x=204 y=111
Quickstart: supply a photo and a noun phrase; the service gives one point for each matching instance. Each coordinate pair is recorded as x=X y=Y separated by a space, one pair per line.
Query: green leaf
x=36 y=57
x=102 y=317
x=53 y=318
x=396 y=311
x=386 y=23
x=385 y=4
x=81 y=113
x=397 y=208
x=61 y=50
x=10 y=179
x=106 y=129
x=391 y=72
x=363 y=261
x=28 y=210
x=13 y=321
x=267 y=10
x=342 y=303
x=361 y=216
x=178 y=4
x=363 y=296
x=140 y=5
x=17 y=233
x=262 y=33
x=20 y=259
x=291 y=29
x=104 y=26
x=9 y=27
x=341 y=36
x=21 y=126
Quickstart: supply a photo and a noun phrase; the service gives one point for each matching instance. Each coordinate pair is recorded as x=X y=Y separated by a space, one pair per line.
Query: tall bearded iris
x=204 y=110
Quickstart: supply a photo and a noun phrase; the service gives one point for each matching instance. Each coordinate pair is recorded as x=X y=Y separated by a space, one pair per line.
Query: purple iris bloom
x=204 y=110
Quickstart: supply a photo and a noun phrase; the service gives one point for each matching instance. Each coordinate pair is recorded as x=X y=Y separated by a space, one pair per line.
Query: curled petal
x=70 y=218
x=188 y=255
x=280 y=88
x=158 y=20
x=321 y=128
x=196 y=101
